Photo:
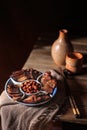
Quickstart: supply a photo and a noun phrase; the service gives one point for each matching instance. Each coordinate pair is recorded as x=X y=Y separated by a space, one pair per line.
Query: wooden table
x=40 y=59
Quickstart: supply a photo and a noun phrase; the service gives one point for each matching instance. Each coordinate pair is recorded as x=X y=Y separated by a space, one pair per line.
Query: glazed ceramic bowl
x=74 y=62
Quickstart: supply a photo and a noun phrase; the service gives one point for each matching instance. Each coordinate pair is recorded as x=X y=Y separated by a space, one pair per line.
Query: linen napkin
x=16 y=116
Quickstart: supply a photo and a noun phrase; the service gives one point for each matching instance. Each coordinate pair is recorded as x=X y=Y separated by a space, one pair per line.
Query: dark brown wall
x=42 y=15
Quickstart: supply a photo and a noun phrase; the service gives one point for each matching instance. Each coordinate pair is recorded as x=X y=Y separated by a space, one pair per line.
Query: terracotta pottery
x=61 y=47
x=74 y=62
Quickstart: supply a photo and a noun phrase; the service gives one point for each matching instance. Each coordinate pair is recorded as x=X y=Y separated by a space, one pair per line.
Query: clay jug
x=60 y=47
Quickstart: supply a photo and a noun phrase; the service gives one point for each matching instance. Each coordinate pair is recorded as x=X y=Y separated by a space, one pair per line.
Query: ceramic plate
x=14 y=93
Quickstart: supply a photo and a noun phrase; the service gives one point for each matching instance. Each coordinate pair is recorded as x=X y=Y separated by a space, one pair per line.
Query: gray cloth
x=16 y=116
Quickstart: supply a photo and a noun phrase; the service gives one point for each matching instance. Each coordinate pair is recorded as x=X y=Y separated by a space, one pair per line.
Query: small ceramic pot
x=74 y=62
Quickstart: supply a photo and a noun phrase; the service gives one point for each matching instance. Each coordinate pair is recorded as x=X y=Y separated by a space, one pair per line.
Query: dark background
x=43 y=15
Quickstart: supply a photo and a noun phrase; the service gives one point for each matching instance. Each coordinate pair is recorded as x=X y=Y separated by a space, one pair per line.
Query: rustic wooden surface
x=40 y=59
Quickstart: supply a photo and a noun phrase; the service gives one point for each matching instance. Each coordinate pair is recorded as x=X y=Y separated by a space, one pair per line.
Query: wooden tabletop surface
x=40 y=59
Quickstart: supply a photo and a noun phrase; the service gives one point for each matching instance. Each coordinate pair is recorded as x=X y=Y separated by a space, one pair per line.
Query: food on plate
x=48 y=82
x=14 y=92
x=12 y=89
x=16 y=97
x=21 y=75
x=31 y=86
x=36 y=98
x=46 y=77
x=37 y=87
